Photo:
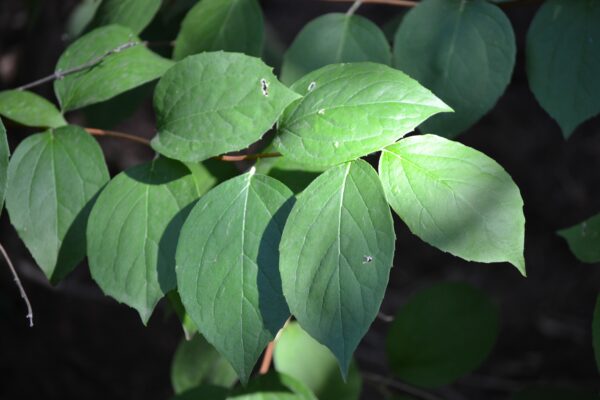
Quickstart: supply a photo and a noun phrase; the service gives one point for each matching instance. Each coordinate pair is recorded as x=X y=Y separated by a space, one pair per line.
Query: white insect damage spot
x=264 y=85
x=336 y=144
x=252 y=171
x=311 y=86
x=367 y=259
x=321 y=111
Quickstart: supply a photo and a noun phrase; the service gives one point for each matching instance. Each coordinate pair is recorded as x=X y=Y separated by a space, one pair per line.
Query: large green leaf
x=134 y=14
x=465 y=56
x=227 y=266
x=53 y=179
x=563 y=60
x=584 y=239
x=4 y=155
x=441 y=334
x=213 y=103
x=144 y=208
x=131 y=66
x=336 y=253
x=596 y=332
x=29 y=109
x=455 y=198
x=209 y=392
x=350 y=110
x=273 y=386
x=300 y=356
x=197 y=363
x=553 y=392
x=229 y=25
x=332 y=39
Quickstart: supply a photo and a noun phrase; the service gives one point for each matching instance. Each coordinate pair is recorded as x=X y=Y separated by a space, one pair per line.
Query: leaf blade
x=584 y=239
x=337 y=247
x=134 y=14
x=350 y=110
x=227 y=274
x=4 y=156
x=53 y=178
x=29 y=109
x=213 y=117
x=455 y=198
x=466 y=58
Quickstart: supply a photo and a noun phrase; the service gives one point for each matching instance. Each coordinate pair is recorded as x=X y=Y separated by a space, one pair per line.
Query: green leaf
x=29 y=109
x=350 y=110
x=455 y=198
x=563 y=60
x=80 y=17
x=229 y=25
x=465 y=56
x=208 y=392
x=336 y=253
x=273 y=386
x=145 y=208
x=441 y=334
x=227 y=266
x=133 y=14
x=130 y=67
x=584 y=239
x=197 y=363
x=4 y=155
x=332 y=39
x=596 y=332
x=300 y=356
x=233 y=99
x=553 y=392
x=53 y=179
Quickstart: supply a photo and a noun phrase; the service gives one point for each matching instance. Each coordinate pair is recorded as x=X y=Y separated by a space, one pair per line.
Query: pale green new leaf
x=273 y=386
x=129 y=65
x=584 y=239
x=4 y=155
x=455 y=198
x=229 y=25
x=332 y=39
x=133 y=14
x=350 y=110
x=302 y=357
x=29 y=109
x=227 y=266
x=336 y=253
x=214 y=103
x=441 y=334
x=197 y=363
x=563 y=60
x=465 y=55
x=133 y=231
x=53 y=179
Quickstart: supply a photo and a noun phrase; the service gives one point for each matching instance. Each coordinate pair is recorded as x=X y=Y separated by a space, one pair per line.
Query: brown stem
x=243 y=157
x=267 y=358
x=120 y=135
x=29 y=315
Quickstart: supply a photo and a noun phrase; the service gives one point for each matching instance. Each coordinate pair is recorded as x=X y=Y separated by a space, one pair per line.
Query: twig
x=354 y=7
x=137 y=139
x=61 y=74
x=244 y=157
x=19 y=285
x=120 y=135
x=403 y=387
x=267 y=358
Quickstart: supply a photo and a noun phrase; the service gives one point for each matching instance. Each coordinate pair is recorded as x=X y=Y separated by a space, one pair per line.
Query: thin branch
x=244 y=157
x=403 y=387
x=92 y=63
x=354 y=7
x=267 y=358
x=120 y=135
x=29 y=315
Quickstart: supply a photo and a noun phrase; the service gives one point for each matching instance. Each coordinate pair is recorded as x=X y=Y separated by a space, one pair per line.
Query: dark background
x=86 y=346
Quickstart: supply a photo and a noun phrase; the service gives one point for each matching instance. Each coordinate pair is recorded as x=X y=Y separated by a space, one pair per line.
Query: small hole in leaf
x=367 y=259
x=312 y=86
x=265 y=87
